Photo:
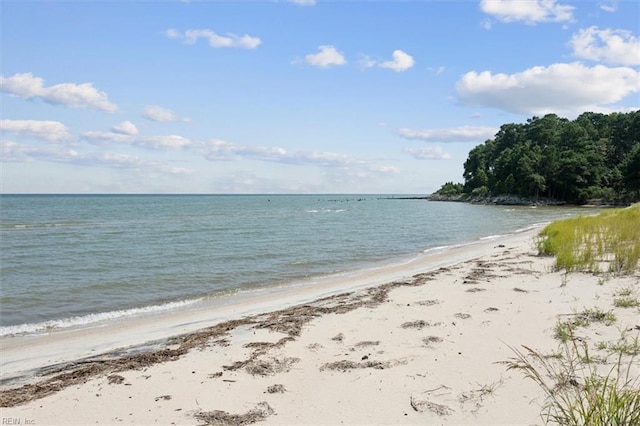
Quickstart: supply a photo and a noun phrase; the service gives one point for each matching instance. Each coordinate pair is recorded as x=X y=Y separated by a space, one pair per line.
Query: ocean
x=74 y=260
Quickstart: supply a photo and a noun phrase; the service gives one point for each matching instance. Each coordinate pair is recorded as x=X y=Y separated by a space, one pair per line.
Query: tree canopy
x=595 y=156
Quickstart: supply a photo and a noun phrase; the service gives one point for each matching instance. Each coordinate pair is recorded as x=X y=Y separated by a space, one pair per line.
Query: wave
x=47 y=326
x=326 y=211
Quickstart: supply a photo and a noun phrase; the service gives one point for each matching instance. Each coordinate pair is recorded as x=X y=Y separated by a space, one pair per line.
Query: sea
x=75 y=260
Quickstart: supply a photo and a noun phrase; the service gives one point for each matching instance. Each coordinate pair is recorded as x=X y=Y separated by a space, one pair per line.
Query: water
x=76 y=259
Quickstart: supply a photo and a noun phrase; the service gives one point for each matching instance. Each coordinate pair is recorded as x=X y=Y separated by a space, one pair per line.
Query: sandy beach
x=419 y=343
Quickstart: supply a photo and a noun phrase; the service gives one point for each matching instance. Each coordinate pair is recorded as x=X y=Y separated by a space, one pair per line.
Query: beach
x=422 y=342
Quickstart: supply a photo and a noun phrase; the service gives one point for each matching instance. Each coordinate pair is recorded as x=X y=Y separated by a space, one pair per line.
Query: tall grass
x=577 y=392
x=588 y=243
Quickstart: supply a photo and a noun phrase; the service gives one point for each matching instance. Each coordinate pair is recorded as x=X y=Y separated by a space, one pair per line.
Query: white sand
x=427 y=353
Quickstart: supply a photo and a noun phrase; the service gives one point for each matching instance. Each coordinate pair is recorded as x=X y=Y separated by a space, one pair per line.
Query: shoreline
x=24 y=354
x=99 y=319
x=420 y=342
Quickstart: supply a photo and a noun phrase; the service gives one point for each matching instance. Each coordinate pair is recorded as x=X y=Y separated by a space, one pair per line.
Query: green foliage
x=588 y=242
x=577 y=391
x=594 y=157
x=626 y=298
x=450 y=189
x=626 y=302
x=563 y=330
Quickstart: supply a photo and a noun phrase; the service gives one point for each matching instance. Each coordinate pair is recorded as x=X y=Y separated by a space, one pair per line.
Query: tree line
x=594 y=157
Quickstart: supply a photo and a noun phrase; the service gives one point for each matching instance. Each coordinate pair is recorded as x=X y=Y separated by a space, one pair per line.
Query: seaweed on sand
x=223 y=418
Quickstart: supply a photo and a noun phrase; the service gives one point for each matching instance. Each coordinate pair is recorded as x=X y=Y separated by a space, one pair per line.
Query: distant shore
x=504 y=200
x=419 y=343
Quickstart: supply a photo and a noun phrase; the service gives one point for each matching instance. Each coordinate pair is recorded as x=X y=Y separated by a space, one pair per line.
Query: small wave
x=44 y=327
x=326 y=211
x=491 y=237
x=531 y=227
x=437 y=248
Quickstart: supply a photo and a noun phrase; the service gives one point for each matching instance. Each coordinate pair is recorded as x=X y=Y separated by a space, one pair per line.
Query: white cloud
x=304 y=2
x=454 y=134
x=157 y=113
x=429 y=153
x=440 y=70
x=216 y=150
x=607 y=45
x=48 y=130
x=385 y=169
x=611 y=7
x=222 y=150
x=323 y=158
x=125 y=128
x=108 y=137
x=327 y=57
x=71 y=95
x=215 y=40
x=130 y=162
x=150 y=142
x=16 y=152
x=559 y=88
x=528 y=11
x=162 y=142
x=400 y=61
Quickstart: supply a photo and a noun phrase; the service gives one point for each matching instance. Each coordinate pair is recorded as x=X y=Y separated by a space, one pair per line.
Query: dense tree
x=595 y=156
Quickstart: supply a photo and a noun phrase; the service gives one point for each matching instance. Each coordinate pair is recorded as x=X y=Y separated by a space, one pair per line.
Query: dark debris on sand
x=288 y=321
x=222 y=418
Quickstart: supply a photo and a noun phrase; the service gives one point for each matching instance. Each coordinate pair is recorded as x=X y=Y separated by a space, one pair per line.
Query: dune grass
x=580 y=392
x=582 y=389
x=609 y=240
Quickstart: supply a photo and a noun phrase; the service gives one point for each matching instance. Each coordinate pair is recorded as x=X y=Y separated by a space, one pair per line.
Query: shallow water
x=76 y=259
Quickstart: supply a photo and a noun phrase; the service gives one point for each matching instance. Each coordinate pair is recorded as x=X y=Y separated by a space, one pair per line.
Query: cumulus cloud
x=453 y=134
x=326 y=57
x=230 y=40
x=48 y=130
x=401 y=61
x=618 y=47
x=558 y=88
x=527 y=11
x=71 y=95
x=157 y=113
x=125 y=128
x=429 y=153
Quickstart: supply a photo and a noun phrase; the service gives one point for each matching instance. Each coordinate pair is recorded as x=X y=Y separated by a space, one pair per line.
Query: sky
x=300 y=96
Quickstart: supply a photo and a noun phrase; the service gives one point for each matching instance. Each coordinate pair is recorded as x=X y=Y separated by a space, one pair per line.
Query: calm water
x=75 y=259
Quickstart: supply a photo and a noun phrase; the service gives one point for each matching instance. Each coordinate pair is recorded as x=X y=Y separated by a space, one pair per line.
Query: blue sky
x=292 y=96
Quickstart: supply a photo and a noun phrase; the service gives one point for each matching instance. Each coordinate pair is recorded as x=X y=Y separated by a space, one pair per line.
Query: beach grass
x=607 y=241
x=578 y=392
x=564 y=330
x=582 y=389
